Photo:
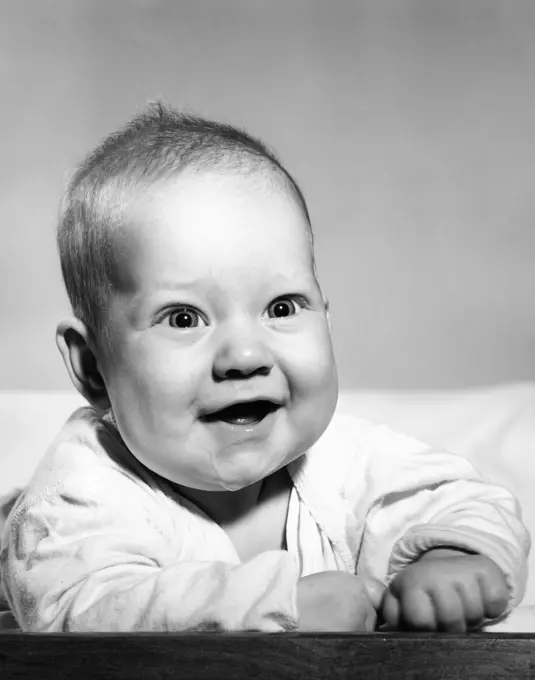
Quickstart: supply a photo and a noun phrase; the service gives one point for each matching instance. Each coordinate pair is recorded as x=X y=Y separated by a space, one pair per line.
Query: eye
x=283 y=307
x=185 y=318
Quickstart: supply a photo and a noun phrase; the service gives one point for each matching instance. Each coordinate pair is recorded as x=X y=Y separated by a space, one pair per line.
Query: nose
x=242 y=353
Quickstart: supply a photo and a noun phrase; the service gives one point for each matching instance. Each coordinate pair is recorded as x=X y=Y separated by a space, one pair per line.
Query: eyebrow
x=176 y=285
x=165 y=287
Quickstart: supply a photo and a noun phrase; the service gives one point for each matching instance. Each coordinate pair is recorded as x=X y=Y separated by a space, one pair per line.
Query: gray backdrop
x=408 y=123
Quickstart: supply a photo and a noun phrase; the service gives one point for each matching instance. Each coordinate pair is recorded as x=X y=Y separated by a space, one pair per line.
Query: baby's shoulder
x=353 y=446
x=331 y=459
x=86 y=443
x=349 y=436
x=86 y=463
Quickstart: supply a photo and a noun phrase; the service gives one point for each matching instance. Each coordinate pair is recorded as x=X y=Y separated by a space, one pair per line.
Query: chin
x=234 y=486
x=218 y=480
x=235 y=480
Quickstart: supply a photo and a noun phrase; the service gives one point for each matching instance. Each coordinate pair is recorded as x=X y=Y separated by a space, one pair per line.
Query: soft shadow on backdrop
x=408 y=123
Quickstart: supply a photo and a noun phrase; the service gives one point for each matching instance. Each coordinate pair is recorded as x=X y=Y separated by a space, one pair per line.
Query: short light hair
x=152 y=147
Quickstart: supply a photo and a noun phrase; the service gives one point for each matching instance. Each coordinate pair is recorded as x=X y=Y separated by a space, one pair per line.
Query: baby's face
x=220 y=368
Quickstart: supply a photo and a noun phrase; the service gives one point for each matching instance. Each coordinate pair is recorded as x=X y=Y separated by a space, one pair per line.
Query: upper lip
x=213 y=409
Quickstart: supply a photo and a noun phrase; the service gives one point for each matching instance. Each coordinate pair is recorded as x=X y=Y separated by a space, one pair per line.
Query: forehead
x=213 y=224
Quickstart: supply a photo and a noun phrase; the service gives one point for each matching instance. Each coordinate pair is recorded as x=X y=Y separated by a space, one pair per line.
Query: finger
x=449 y=610
x=495 y=594
x=474 y=611
x=417 y=610
x=390 y=609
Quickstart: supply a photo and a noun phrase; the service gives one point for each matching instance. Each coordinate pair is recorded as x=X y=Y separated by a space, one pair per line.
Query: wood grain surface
x=250 y=655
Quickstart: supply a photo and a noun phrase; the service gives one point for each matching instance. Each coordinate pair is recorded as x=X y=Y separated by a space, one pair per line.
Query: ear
x=77 y=349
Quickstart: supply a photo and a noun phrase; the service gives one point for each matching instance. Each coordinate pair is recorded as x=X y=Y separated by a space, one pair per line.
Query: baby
x=210 y=485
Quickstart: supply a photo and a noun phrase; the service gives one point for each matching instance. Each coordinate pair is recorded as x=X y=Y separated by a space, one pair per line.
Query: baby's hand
x=445 y=591
x=338 y=602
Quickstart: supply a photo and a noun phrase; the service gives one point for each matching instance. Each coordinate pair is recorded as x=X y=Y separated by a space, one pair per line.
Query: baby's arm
x=97 y=555
x=422 y=500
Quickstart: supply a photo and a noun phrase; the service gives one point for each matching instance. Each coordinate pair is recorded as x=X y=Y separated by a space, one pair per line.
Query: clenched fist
x=445 y=591
x=339 y=602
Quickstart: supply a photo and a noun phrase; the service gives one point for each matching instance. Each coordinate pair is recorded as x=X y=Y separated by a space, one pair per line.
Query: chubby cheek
x=153 y=394
x=314 y=360
x=311 y=371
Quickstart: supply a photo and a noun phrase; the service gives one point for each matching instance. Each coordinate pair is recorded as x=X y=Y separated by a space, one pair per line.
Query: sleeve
x=97 y=555
x=419 y=498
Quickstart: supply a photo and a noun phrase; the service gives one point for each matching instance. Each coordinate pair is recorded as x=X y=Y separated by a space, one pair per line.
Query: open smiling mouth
x=243 y=413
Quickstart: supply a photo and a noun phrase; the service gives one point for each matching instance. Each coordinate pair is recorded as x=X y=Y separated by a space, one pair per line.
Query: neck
x=225 y=507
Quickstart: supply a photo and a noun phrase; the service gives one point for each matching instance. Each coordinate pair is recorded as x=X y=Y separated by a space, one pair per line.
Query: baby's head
x=187 y=254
